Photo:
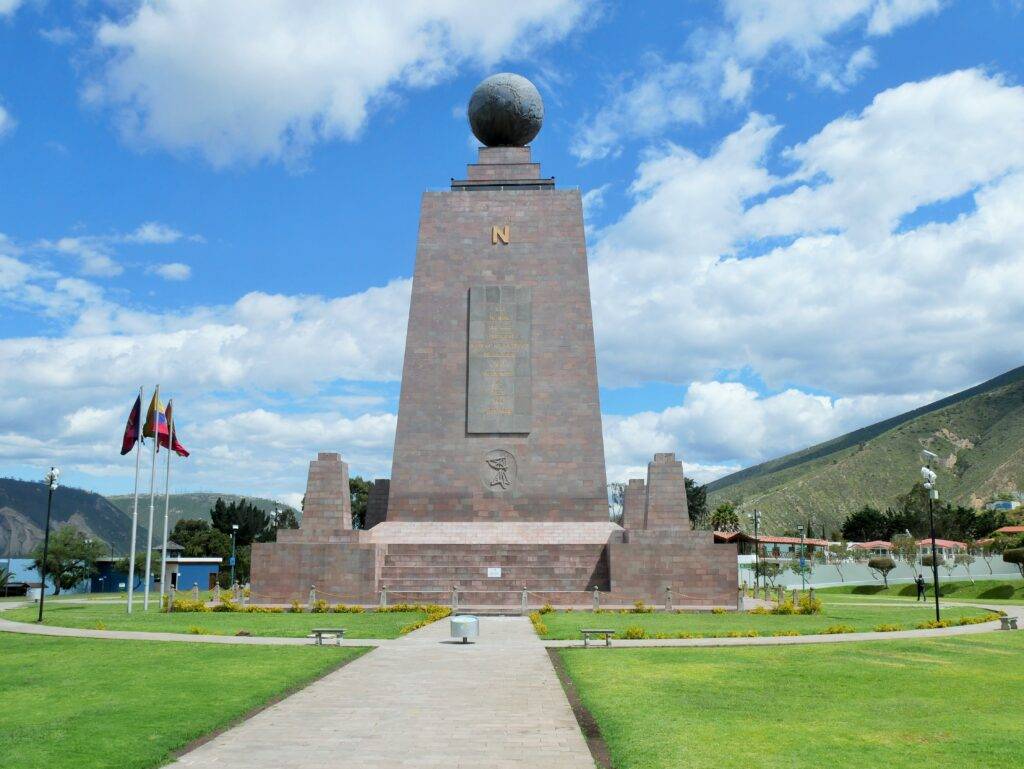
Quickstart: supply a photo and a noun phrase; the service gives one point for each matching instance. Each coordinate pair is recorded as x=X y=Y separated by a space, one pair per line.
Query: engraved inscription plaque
x=499 y=382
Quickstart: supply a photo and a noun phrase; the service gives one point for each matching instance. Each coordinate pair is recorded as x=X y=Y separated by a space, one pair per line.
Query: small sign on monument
x=493 y=572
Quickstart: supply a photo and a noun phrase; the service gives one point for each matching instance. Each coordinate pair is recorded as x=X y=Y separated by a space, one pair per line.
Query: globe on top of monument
x=506 y=110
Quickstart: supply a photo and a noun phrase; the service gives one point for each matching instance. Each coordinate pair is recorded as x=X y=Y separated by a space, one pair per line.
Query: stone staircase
x=426 y=573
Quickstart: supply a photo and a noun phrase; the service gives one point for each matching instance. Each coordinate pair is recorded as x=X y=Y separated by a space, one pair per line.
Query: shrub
x=546 y=609
x=320 y=606
x=687 y=634
x=836 y=629
x=662 y=635
x=978 y=620
x=809 y=606
x=633 y=632
x=786 y=607
x=887 y=628
x=188 y=605
x=779 y=633
x=296 y=607
x=933 y=624
x=882 y=564
x=1015 y=555
x=742 y=634
x=719 y=610
x=541 y=629
x=759 y=610
x=226 y=604
x=196 y=630
x=100 y=625
x=639 y=607
x=343 y=609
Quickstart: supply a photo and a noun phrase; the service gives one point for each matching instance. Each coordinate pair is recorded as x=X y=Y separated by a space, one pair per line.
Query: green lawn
x=565 y=625
x=92 y=704
x=898 y=704
x=1010 y=591
x=113 y=617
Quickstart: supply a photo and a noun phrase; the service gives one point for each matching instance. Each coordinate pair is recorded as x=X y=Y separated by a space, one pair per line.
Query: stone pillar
x=328 y=508
x=455 y=597
x=195 y=591
x=170 y=600
x=524 y=601
x=312 y=596
x=779 y=594
x=377 y=503
x=216 y=592
x=236 y=591
x=811 y=593
x=597 y=598
x=668 y=598
x=666 y=494
x=740 y=599
x=796 y=598
x=383 y=596
x=634 y=501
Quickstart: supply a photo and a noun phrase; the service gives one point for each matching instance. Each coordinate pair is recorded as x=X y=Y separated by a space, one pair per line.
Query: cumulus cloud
x=173 y=271
x=96 y=254
x=241 y=82
x=720 y=426
x=819 y=278
x=8 y=7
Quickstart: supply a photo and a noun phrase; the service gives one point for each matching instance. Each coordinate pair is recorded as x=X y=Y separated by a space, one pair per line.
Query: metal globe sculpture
x=506 y=110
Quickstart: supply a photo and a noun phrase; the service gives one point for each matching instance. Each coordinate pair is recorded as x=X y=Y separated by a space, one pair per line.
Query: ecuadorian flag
x=156 y=418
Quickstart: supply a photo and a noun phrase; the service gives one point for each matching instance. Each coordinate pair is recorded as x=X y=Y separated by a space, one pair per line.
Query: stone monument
x=498 y=477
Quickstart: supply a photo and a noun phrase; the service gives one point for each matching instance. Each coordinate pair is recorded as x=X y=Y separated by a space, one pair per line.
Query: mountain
x=23 y=516
x=196 y=505
x=978 y=435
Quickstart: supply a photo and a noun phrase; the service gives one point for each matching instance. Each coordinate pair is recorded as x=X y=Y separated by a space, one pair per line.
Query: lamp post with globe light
x=930 y=478
x=755 y=516
x=51 y=481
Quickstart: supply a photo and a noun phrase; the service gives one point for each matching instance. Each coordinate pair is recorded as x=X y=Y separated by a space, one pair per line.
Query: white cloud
x=7 y=122
x=736 y=82
x=890 y=14
x=240 y=82
x=721 y=426
x=153 y=232
x=8 y=7
x=93 y=256
x=173 y=271
x=719 y=265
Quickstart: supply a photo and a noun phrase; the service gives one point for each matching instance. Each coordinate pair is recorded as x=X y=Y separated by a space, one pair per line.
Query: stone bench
x=319 y=633
x=588 y=632
x=1008 y=623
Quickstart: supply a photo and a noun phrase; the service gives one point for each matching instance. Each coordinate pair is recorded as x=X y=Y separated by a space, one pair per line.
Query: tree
x=253 y=524
x=284 y=518
x=725 y=518
x=359 y=493
x=926 y=560
x=5 y=577
x=882 y=564
x=840 y=554
x=1015 y=556
x=801 y=567
x=769 y=571
x=70 y=558
x=965 y=558
x=121 y=566
x=697 y=503
x=905 y=548
x=864 y=525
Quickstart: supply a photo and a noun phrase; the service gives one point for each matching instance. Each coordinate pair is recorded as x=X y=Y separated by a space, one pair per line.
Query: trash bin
x=465 y=627
x=34 y=594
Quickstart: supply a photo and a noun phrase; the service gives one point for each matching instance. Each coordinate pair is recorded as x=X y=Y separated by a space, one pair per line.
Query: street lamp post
x=51 y=481
x=234 y=531
x=930 y=479
x=803 y=561
x=89 y=542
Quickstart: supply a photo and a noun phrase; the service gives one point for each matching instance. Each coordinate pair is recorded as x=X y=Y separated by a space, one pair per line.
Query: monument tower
x=498 y=477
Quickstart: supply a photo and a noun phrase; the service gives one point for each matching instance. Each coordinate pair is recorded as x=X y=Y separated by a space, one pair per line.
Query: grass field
x=113 y=617
x=896 y=704
x=91 y=704
x=566 y=625
x=980 y=590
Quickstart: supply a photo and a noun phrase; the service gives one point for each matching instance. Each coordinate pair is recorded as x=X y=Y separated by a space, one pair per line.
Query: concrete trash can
x=34 y=594
x=465 y=627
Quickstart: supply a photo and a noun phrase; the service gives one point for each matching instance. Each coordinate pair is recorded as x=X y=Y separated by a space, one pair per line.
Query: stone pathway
x=419 y=701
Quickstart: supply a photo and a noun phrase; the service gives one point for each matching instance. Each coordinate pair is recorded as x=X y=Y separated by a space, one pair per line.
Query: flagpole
x=152 y=499
x=167 y=502
x=135 y=506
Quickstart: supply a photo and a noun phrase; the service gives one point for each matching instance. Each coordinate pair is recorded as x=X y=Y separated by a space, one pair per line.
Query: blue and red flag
x=131 y=430
x=176 y=446
x=156 y=419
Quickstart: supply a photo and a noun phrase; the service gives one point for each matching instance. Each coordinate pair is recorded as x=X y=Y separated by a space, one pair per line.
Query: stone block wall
x=666 y=494
x=343 y=572
x=377 y=504
x=634 y=504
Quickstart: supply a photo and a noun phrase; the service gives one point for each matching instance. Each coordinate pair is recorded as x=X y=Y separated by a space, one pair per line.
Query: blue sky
x=802 y=217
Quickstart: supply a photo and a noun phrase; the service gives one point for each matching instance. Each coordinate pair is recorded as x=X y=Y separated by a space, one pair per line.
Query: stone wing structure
x=498 y=479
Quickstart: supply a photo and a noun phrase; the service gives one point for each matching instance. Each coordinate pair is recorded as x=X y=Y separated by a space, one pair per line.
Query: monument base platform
x=491 y=563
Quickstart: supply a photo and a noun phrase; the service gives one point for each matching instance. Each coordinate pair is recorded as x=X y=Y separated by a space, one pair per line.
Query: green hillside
x=195 y=505
x=978 y=435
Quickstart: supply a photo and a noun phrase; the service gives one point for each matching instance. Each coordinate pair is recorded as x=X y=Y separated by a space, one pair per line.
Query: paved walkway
x=420 y=701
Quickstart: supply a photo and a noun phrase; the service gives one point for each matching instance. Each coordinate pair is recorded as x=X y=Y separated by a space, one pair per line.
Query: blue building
x=182 y=571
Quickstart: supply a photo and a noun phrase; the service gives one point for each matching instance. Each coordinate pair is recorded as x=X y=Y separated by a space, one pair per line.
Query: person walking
x=920 y=588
